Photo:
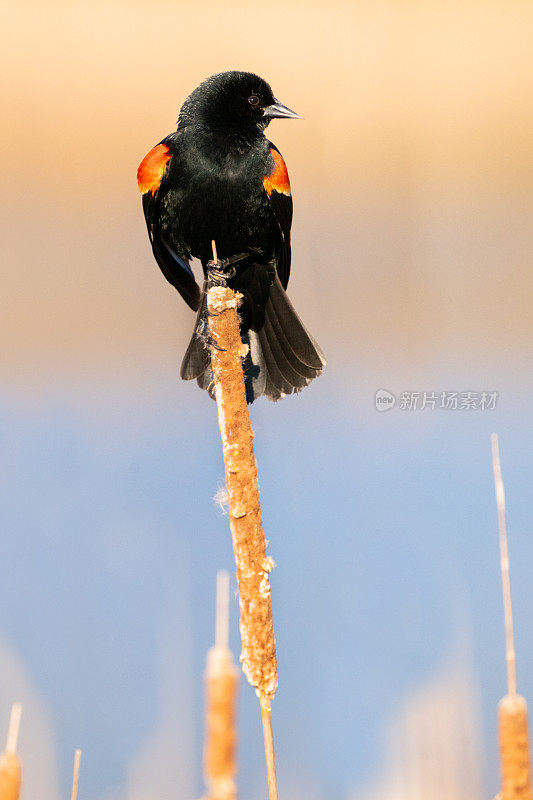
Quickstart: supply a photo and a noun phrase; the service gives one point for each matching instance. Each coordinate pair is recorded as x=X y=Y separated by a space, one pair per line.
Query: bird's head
x=233 y=99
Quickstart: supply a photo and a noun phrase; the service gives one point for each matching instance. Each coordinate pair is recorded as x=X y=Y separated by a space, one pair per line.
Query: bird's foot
x=205 y=336
x=219 y=272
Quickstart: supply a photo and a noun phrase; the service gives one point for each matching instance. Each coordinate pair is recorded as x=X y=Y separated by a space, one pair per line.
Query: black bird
x=217 y=177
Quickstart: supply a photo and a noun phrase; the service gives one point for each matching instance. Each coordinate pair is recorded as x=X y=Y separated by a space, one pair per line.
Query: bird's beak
x=277 y=109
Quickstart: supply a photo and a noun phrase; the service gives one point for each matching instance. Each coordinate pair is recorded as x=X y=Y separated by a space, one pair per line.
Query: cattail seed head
x=514 y=748
x=249 y=546
x=222 y=681
x=10 y=777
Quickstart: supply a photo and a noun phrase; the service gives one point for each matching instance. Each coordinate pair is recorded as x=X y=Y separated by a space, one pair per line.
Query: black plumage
x=218 y=178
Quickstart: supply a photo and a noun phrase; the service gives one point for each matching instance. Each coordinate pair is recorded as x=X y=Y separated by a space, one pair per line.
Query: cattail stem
x=10 y=769
x=222 y=610
x=266 y=718
x=76 y=775
x=249 y=545
x=504 y=562
x=14 y=728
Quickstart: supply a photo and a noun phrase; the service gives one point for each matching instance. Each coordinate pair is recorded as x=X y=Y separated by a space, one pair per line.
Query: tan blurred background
x=412 y=173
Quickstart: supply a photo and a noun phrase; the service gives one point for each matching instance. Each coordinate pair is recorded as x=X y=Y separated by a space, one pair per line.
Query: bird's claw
x=209 y=340
x=219 y=272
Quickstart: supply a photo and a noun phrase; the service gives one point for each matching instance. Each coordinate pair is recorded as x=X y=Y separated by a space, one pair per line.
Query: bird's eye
x=253 y=100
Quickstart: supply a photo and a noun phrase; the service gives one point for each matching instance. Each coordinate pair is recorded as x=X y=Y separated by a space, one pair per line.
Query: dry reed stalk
x=10 y=769
x=222 y=680
x=249 y=545
x=76 y=775
x=512 y=710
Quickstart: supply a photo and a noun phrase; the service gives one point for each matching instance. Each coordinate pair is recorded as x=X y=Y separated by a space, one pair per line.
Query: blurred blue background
x=383 y=528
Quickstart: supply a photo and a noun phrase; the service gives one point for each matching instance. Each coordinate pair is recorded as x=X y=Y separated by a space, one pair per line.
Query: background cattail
x=222 y=681
x=512 y=711
x=76 y=775
x=514 y=748
x=10 y=769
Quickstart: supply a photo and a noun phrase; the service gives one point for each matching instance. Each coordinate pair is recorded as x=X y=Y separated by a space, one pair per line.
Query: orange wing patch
x=278 y=180
x=152 y=167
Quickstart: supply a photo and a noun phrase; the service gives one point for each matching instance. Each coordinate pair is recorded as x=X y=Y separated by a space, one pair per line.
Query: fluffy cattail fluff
x=249 y=545
x=514 y=748
x=222 y=681
x=10 y=770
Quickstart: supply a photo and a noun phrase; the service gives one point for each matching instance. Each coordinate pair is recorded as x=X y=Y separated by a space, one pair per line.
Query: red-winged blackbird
x=218 y=178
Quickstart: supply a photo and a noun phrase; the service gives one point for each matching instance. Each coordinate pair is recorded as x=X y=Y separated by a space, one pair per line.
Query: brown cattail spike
x=514 y=748
x=249 y=545
x=76 y=775
x=222 y=679
x=10 y=770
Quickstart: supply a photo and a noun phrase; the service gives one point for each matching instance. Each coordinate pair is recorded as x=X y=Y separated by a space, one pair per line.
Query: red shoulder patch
x=278 y=180
x=152 y=167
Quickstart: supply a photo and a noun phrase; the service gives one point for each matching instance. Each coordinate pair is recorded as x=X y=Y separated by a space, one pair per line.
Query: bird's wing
x=152 y=177
x=277 y=186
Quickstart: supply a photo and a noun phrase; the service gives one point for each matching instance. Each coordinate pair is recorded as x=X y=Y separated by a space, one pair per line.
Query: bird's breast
x=219 y=195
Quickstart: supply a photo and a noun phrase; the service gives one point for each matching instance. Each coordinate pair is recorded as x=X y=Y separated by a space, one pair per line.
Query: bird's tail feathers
x=196 y=362
x=282 y=358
